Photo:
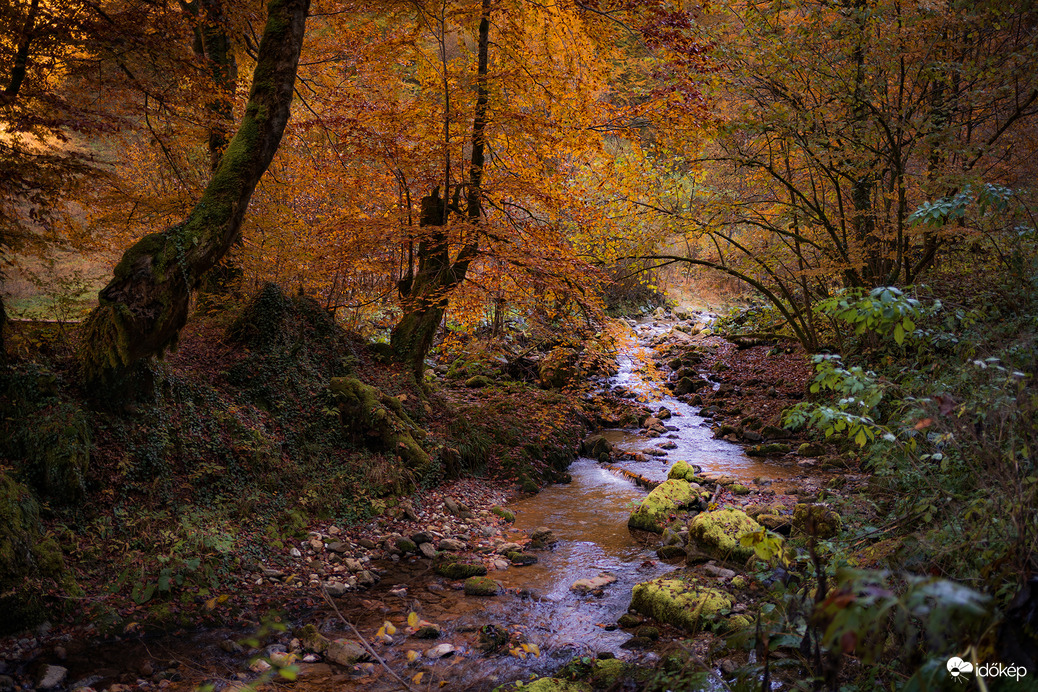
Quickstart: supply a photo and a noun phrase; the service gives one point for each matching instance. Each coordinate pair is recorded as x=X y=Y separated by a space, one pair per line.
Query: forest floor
x=362 y=571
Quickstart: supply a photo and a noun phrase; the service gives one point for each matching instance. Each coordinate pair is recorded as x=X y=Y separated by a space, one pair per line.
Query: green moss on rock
x=670 y=496
x=374 y=413
x=460 y=570
x=768 y=449
x=481 y=586
x=547 y=685
x=682 y=470
x=505 y=514
x=682 y=604
x=717 y=533
x=607 y=673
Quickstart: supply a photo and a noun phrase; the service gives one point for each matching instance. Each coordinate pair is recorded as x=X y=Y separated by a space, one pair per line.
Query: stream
x=589 y=519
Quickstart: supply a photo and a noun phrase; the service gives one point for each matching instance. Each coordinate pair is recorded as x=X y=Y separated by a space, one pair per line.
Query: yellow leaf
x=412 y=619
x=417 y=679
x=412 y=656
x=388 y=627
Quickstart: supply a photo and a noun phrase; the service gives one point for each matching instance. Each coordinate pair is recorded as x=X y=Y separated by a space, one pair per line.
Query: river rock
x=668 y=497
x=422 y=537
x=505 y=548
x=521 y=559
x=366 y=577
x=50 y=677
x=594 y=583
x=452 y=544
x=680 y=603
x=595 y=446
x=717 y=533
x=482 y=586
x=345 y=652
x=768 y=449
x=682 y=470
x=427 y=550
x=456 y=570
x=440 y=650
x=542 y=537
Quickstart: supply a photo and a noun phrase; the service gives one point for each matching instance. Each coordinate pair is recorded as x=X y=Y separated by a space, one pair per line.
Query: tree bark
x=143 y=308
x=425 y=294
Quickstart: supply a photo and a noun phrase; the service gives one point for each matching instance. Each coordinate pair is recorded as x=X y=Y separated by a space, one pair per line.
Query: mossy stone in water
x=505 y=514
x=521 y=559
x=682 y=604
x=670 y=496
x=717 y=533
x=607 y=673
x=768 y=449
x=481 y=586
x=460 y=570
x=739 y=489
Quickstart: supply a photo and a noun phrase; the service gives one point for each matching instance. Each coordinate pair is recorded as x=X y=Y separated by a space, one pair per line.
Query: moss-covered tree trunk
x=145 y=305
x=425 y=294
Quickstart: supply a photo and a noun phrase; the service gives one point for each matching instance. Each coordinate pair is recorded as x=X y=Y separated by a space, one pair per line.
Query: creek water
x=589 y=517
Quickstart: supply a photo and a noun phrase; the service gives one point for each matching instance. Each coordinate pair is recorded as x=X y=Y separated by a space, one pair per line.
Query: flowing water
x=589 y=518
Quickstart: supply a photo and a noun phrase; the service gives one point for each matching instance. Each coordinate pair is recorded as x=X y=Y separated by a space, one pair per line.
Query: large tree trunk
x=144 y=306
x=425 y=295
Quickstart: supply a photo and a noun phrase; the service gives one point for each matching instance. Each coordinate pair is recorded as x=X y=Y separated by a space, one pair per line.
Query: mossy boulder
x=683 y=470
x=818 y=520
x=811 y=449
x=689 y=385
x=680 y=603
x=478 y=382
x=481 y=586
x=595 y=446
x=607 y=673
x=312 y=640
x=455 y=569
x=738 y=489
x=717 y=533
x=378 y=416
x=505 y=514
x=26 y=558
x=670 y=496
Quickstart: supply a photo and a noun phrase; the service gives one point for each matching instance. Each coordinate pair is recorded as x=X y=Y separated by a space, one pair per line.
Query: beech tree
x=143 y=308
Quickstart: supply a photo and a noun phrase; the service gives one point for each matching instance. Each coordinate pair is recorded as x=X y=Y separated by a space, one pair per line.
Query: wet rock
x=493 y=639
x=689 y=385
x=816 y=519
x=627 y=621
x=594 y=583
x=427 y=550
x=542 y=537
x=664 y=413
x=521 y=559
x=656 y=452
x=738 y=489
x=637 y=643
x=668 y=445
x=717 y=533
x=668 y=497
x=595 y=446
x=345 y=652
x=752 y=436
x=440 y=650
x=679 y=603
x=50 y=677
x=428 y=631
x=482 y=586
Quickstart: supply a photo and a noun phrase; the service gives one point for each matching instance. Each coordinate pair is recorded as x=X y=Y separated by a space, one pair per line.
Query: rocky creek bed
x=634 y=566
